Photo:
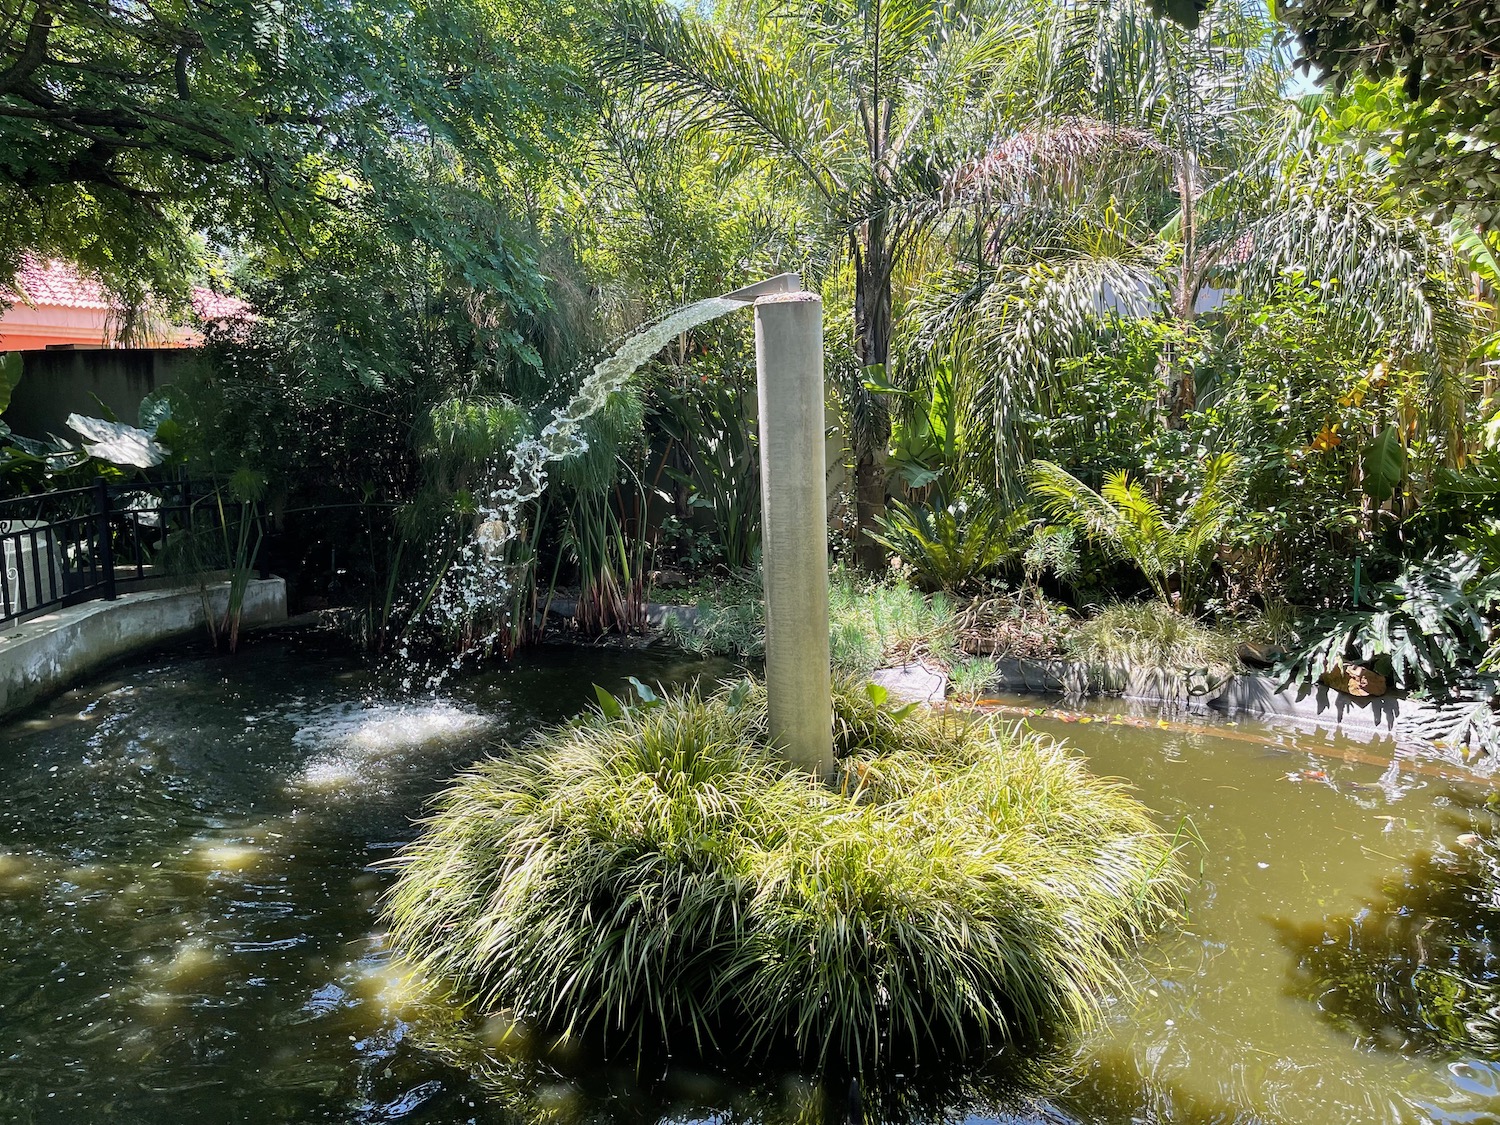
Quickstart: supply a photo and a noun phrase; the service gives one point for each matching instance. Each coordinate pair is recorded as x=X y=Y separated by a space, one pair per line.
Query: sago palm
x=1124 y=519
x=860 y=104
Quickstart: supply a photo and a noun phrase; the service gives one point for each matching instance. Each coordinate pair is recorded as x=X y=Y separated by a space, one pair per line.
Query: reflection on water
x=1416 y=969
x=190 y=876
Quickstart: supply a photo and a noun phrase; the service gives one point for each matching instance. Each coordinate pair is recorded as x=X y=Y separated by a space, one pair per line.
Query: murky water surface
x=189 y=884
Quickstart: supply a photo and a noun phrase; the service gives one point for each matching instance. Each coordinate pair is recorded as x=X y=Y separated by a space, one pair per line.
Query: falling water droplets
x=480 y=579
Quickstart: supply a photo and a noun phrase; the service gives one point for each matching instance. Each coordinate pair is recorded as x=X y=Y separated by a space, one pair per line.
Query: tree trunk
x=871 y=431
x=1179 y=391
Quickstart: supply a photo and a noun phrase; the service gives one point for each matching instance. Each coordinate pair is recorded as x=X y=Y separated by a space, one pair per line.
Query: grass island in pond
x=662 y=876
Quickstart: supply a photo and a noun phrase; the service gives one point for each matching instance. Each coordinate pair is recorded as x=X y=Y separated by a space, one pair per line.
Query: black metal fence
x=82 y=544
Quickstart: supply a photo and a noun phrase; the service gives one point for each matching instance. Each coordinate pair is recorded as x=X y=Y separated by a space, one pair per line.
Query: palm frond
x=1068 y=499
x=1387 y=272
x=1131 y=524
x=1213 y=509
x=700 y=78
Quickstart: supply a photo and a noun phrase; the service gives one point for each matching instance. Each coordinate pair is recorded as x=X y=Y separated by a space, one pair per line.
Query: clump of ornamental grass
x=1153 y=636
x=661 y=876
x=971 y=677
x=870 y=623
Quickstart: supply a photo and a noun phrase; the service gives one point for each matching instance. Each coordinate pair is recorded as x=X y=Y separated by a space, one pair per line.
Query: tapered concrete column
x=794 y=526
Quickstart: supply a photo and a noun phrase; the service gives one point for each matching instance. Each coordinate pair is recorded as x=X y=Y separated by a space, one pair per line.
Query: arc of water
x=478 y=576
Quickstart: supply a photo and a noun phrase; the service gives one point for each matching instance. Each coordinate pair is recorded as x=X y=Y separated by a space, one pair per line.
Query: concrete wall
x=55 y=384
x=1245 y=694
x=48 y=653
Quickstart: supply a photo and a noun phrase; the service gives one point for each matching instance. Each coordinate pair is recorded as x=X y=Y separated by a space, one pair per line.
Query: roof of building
x=42 y=282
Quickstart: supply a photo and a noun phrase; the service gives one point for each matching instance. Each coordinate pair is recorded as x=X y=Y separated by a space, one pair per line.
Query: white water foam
x=359 y=747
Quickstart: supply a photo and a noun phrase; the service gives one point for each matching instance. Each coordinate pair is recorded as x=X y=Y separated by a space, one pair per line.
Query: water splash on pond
x=483 y=576
x=361 y=746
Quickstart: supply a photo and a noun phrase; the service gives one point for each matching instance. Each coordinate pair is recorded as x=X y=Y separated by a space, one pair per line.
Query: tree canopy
x=130 y=132
x=1424 y=78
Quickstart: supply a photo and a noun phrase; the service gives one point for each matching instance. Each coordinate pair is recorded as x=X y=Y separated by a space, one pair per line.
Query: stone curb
x=46 y=654
x=1245 y=694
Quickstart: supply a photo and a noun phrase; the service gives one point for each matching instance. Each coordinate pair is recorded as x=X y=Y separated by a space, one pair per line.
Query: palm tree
x=1208 y=99
x=863 y=105
x=1124 y=519
x=1154 y=161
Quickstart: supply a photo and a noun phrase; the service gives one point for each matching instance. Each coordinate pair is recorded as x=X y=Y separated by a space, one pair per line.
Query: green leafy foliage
x=711 y=424
x=128 y=134
x=12 y=366
x=797 y=89
x=1335 y=437
x=928 y=451
x=1149 y=636
x=1384 y=465
x=1464 y=731
x=971 y=677
x=1429 y=625
x=1171 y=551
x=870 y=623
x=658 y=876
x=1423 y=78
x=950 y=547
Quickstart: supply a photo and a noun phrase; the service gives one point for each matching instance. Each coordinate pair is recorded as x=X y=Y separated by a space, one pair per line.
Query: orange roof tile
x=59 y=284
x=41 y=282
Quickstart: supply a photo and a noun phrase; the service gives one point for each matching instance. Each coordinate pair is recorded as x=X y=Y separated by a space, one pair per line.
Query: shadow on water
x=1417 y=969
x=573 y=1084
x=1040 y=1084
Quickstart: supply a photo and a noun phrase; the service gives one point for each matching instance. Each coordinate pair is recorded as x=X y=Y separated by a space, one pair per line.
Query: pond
x=190 y=871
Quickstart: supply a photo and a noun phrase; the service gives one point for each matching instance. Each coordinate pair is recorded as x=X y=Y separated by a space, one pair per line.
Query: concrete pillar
x=794 y=526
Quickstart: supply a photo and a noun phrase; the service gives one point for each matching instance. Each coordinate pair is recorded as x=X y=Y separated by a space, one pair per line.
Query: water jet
x=794 y=515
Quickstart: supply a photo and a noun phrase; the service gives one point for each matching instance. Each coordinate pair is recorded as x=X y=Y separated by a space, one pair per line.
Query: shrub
x=972 y=676
x=663 y=878
x=1171 y=549
x=870 y=624
x=1152 y=636
x=949 y=546
x=1023 y=623
x=1430 y=625
x=731 y=622
x=875 y=623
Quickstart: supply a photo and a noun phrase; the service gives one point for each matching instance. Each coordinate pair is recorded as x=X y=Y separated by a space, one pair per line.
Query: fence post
x=106 y=546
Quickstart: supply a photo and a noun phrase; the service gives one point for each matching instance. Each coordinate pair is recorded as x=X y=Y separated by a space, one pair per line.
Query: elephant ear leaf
x=11 y=366
x=1384 y=465
x=609 y=704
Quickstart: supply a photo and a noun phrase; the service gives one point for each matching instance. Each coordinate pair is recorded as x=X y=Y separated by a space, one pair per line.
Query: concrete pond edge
x=47 y=654
x=1249 y=693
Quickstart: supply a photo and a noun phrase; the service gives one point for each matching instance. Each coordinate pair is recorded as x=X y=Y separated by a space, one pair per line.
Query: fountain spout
x=794 y=522
x=781 y=283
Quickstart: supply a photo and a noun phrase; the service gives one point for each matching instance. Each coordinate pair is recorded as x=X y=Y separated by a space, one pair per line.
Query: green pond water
x=190 y=879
